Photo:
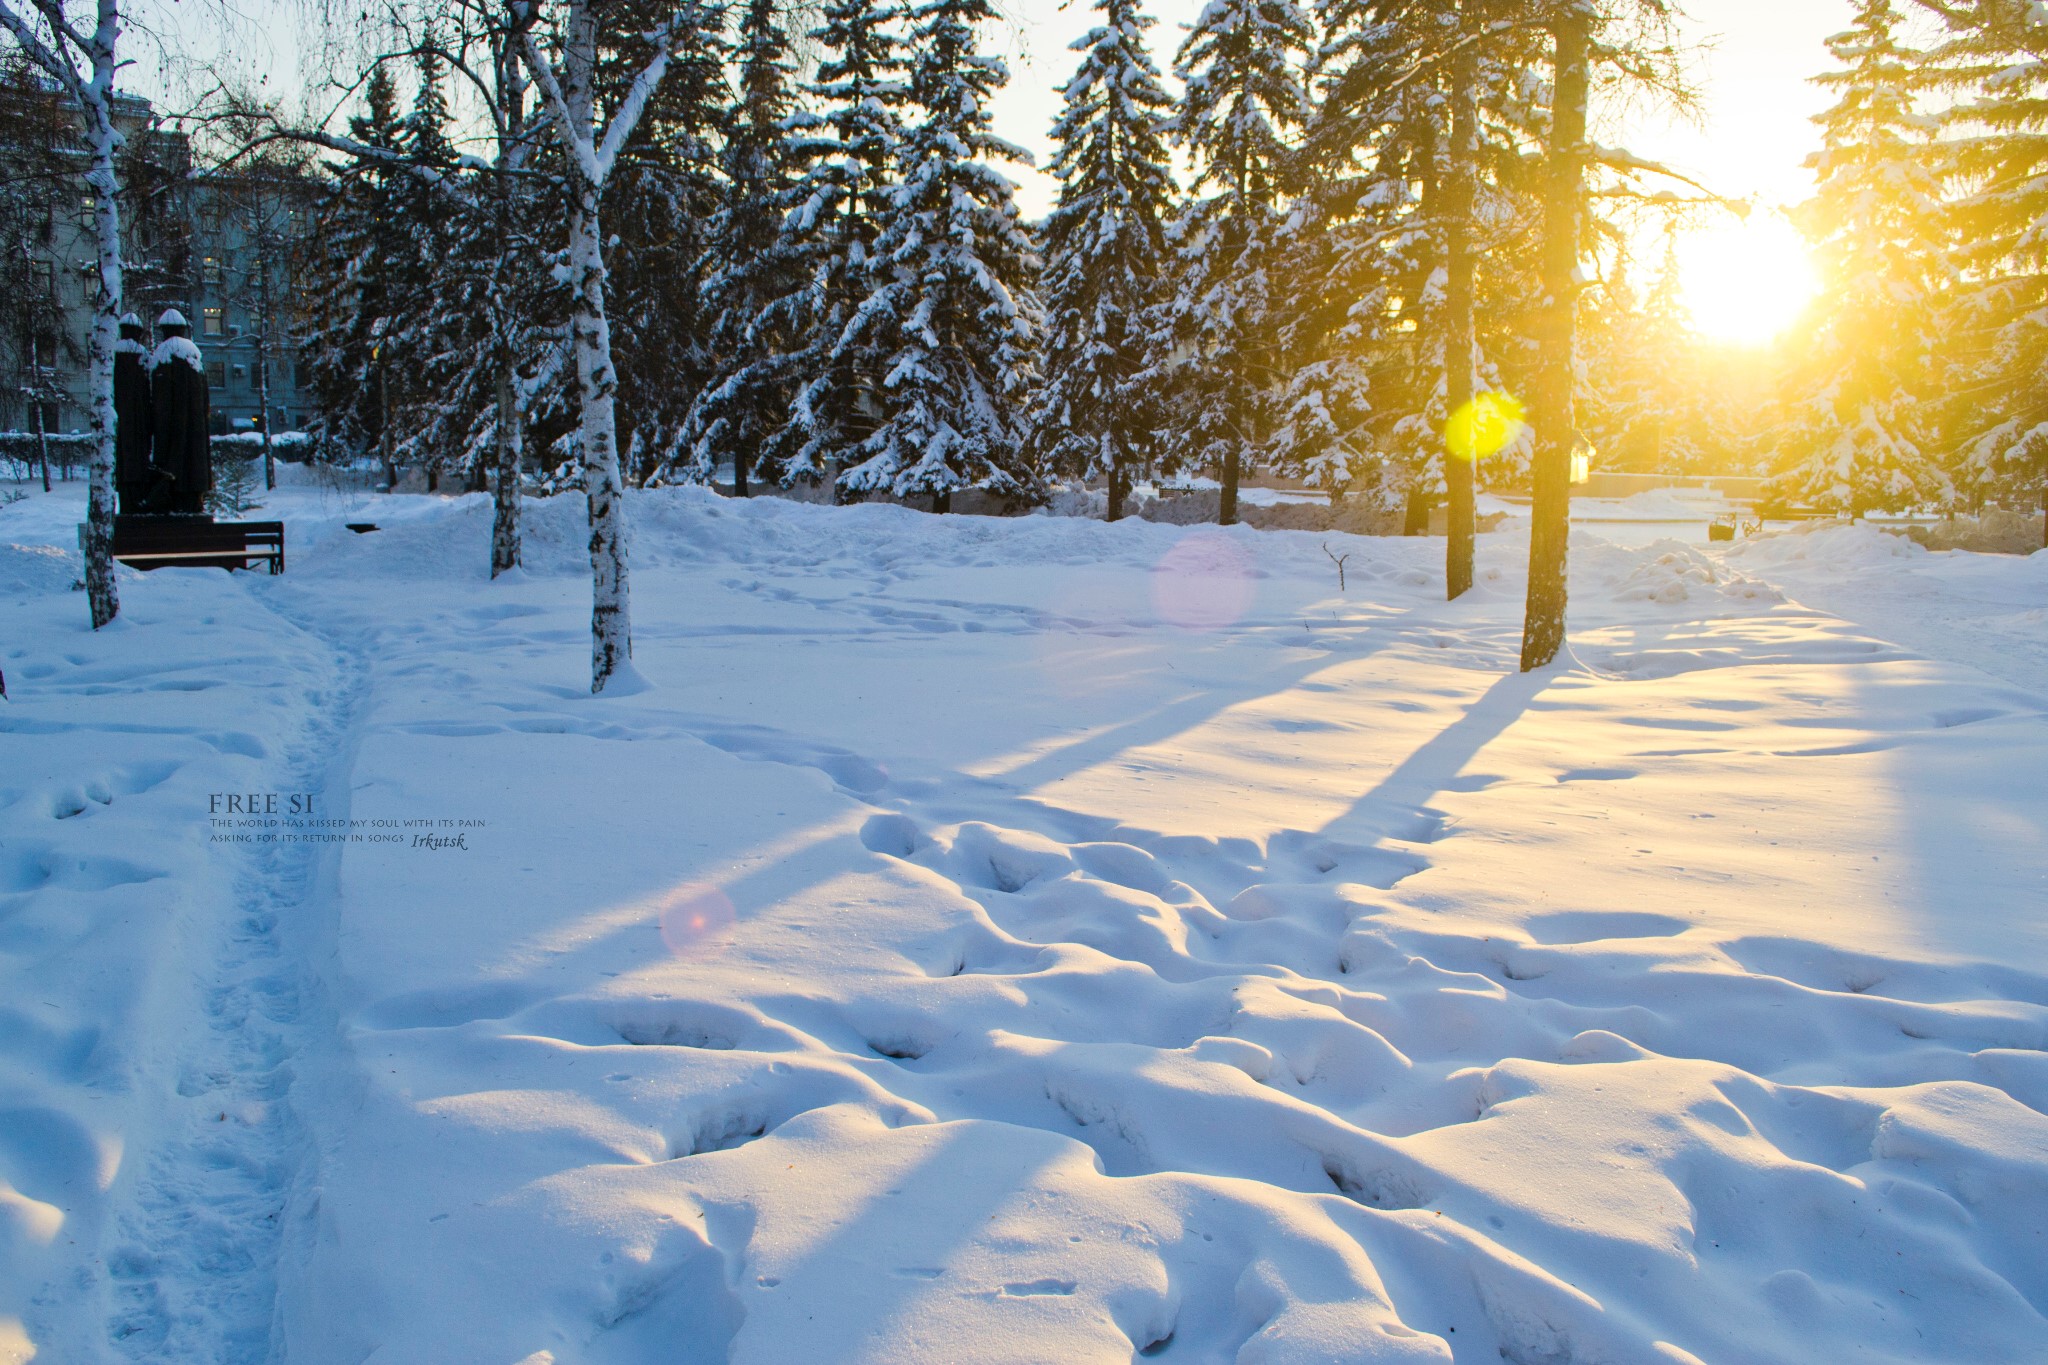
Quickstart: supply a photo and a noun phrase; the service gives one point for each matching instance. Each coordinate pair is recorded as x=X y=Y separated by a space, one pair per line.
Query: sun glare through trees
x=1746 y=281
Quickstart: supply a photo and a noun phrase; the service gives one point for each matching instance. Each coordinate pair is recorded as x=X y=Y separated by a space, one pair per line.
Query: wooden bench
x=197 y=542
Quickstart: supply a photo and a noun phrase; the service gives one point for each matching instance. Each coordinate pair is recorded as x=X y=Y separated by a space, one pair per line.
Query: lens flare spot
x=1205 y=582
x=1484 y=427
x=692 y=915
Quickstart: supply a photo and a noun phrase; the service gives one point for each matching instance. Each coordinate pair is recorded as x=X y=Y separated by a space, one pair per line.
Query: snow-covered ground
x=1020 y=941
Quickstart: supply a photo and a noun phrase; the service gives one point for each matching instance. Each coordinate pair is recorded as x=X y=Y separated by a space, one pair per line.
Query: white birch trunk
x=96 y=107
x=590 y=158
x=92 y=94
x=611 y=633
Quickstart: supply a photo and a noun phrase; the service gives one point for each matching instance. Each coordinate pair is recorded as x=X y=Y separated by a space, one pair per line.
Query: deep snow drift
x=1020 y=941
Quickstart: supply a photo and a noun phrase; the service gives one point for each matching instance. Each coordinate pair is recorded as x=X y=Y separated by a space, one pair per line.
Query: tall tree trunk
x=384 y=426
x=588 y=162
x=505 y=547
x=42 y=429
x=611 y=632
x=1458 y=196
x=263 y=403
x=1226 y=515
x=98 y=111
x=1550 y=389
x=505 y=507
x=1117 y=479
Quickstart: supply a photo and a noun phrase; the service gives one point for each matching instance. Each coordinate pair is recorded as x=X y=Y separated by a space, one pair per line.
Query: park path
x=194 y=1263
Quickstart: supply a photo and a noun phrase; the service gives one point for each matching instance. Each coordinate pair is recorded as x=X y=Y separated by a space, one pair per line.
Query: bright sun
x=1745 y=282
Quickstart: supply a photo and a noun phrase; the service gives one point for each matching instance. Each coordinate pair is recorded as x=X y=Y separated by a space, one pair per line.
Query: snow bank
x=31 y=570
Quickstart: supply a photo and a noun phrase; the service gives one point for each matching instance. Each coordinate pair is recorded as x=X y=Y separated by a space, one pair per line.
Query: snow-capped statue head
x=171 y=322
x=129 y=319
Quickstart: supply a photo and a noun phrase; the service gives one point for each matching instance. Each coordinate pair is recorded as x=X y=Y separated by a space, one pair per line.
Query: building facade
x=218 y=246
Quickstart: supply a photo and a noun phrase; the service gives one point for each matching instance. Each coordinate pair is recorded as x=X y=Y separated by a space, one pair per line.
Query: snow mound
x=1679 y=573
x=1844 y=545
x=27 y=570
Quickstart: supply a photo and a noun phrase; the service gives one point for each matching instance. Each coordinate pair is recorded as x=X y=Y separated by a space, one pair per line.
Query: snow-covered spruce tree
x=83 y=59
x=1865 y=444
x=568 y=82
x=1366 y=279
x=503 y=321
x=352 y=286
x=1098 y=412
x=1646 y=405
x=953 y=314
x=499 y=320
x=660 y=207
x=424 y=333
x=754 y=263
x=1994 y=155
x=1422 y=118
x=849 y=148
x=1242 y=65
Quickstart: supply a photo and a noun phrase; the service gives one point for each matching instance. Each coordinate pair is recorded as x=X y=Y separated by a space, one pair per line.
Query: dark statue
x=179 y=412
x=133 y=479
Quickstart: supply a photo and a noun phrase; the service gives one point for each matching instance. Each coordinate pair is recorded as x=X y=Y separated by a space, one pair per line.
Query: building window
x=209 y=270
x=42 y=278
x=46 y=352
x=217 y=374
x=213 y=321
x=241 y=373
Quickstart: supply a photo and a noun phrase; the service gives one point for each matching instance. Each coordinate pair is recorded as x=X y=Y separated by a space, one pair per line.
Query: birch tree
x=567 y=82
x=82 y=60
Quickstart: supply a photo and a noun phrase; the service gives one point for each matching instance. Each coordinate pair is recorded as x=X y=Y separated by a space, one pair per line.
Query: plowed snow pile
x=1013 y=941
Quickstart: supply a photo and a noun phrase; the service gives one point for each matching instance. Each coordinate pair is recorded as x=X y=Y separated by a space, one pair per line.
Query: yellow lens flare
x=1484 y=427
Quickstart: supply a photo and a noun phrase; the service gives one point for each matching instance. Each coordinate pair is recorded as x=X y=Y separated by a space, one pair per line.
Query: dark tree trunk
x=942 y=501
x=505 y=508
x=1415 y=517
x=263 y=401
x=1550 y=389
x=1227 y=515
x=42 y=440
x=1458 y=470
x=1117 y=479
x=384 y=429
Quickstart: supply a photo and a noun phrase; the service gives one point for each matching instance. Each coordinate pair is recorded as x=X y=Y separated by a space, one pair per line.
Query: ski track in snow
x=1310 y=987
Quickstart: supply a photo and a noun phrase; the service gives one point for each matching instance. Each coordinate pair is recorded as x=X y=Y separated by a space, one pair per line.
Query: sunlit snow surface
x=1025 y=941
